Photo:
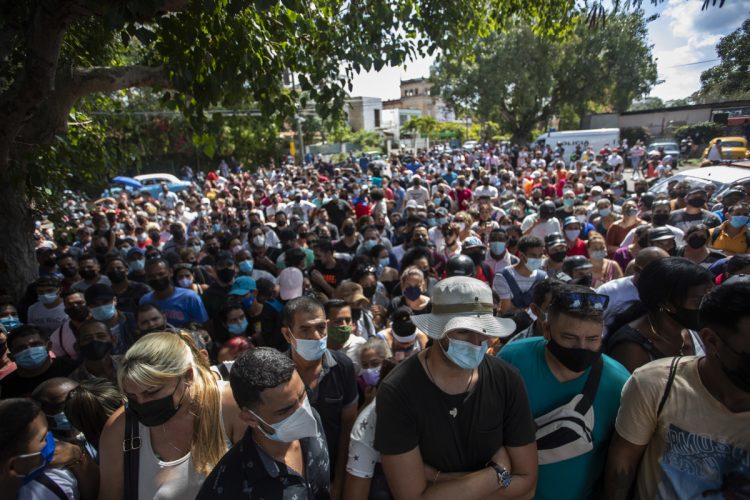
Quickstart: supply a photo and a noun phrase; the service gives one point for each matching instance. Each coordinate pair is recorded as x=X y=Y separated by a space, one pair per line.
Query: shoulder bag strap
x=52 y=486
x=512 y=284
x=590 y=388
x=668 y=386
x=131 y=455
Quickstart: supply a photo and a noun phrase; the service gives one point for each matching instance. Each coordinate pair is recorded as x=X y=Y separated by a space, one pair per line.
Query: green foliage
x=423 y=125
x=701 y=132
x=635 y=134
x=366 y=140
x=731 y=77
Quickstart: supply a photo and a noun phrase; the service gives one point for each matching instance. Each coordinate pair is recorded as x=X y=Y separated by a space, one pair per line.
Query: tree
x=520 y=78
x=731 y=77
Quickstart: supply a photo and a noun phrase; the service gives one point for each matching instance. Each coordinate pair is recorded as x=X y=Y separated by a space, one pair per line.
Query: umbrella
x=127 y=181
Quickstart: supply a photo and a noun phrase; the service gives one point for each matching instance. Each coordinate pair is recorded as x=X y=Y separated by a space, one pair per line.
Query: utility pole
x=298 y=124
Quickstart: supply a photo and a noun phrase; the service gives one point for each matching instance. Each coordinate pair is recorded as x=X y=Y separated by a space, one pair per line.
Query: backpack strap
x=668 y=386
x=514 y=288
x=52 y=486
x=131 y=455
x=590 y=388
x=224 y=371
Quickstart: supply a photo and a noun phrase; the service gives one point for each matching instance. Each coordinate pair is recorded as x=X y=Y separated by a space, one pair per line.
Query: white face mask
x=259 y=241
x=299 y=425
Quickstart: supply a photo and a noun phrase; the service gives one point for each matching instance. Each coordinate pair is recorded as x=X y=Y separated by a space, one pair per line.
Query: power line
x=693 y=63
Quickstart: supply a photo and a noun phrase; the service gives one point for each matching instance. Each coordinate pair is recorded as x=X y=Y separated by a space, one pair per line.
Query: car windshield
x=732 y=144
x=661 y=186
x=665 y=145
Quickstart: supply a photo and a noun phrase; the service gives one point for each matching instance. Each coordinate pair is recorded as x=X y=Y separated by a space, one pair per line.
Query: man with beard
x=180 y=305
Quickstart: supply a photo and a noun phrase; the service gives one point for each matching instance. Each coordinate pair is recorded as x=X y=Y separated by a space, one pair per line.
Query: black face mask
x=68 y=272
x=49 y=263
x=583 y=281
x=739 y=376
x=212 y=250
x=96 y=350
x=77 y=313
x=686 y=317
x=155 y=412
x=178 y=235
x=574 y=359
x=659 y=219
x=512 y=243
x=159 y=284
x=225 y=275
x=557 y=256
x=696 y=202
x=697 y=242
x=348 y=230
x=87 y=274
x=117 y=276
x=369 y=292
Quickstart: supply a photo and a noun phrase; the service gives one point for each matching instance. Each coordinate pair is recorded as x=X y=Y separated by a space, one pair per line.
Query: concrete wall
x=362 y=113
x=657 y=123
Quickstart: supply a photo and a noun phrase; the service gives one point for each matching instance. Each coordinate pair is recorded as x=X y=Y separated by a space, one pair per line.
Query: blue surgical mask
x=310 y=350
x=572 y=234
x=497 y=247
x=738 y=221
x=533 y=264
x=248 y=301
x=48 y=298
x=369 y=244
x=246 y=266
x=431 y=222
x=384 y=261
x=604 y=212
x=216 y=228
x=103 y=313
x=137 y=265
x=442 y=221
x=10 y=322
x=32 y=358
x=46 y=453
x=237 y=328
x=465 y=354
x=568 y=202
x=59 y=422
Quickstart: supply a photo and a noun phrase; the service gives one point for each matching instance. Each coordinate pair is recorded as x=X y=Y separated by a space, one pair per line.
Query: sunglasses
x=575 y=301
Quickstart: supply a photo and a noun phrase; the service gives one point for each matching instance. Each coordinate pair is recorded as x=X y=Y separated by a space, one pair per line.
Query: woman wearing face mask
x=184 y=278
x=463 y=222
x=402 y=336
x=370 y=356
x=413 y=288
x=622 y=227
x=606 y=216
x=664 y=322
x=603 y=269
x=234 y=319
x=696 y=248
x=33 y=464
x=184 y=418
x=731 y=236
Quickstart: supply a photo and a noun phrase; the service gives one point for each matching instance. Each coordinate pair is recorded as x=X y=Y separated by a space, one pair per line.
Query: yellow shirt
x=727 y=243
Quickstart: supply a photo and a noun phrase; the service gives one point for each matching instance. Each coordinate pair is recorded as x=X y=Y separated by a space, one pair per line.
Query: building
x=417 y=94
x=364 y=113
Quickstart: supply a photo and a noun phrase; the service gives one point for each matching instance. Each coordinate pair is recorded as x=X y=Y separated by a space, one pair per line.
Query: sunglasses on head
x=577 y=301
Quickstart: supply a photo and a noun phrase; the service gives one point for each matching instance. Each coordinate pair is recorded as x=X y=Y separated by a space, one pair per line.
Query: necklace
x=429 y=373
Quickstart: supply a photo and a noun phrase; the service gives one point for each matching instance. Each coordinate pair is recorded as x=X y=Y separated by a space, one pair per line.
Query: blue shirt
x=181 y=308
x=577 y=477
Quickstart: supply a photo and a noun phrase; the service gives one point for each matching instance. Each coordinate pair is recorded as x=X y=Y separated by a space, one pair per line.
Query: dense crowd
x=503 y=322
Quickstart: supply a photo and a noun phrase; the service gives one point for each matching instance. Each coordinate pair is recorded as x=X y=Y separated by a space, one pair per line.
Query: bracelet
x=436 y=477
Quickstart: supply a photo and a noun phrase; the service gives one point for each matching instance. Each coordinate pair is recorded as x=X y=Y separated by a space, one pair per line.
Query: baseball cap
x=242 y=286
x=571 y=219
x=411 y=204
x=553 y=239
x=97 y=292
x=574 y=262
x=660 y=233
x=290 y=283
x=350 y=292
x=134 y=251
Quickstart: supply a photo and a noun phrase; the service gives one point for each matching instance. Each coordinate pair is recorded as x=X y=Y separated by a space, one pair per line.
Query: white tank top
x=175 y=480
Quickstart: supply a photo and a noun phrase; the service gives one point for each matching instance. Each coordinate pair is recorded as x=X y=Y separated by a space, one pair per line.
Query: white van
x=596 y=138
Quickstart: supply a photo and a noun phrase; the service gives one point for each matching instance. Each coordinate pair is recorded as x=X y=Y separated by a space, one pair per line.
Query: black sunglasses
x=576 y=301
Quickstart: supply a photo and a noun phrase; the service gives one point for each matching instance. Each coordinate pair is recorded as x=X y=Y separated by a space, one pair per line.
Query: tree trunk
x=18 y=265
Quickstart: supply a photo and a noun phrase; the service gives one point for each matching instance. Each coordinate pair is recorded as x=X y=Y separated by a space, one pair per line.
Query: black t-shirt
x=15 y=386
x=341 y=247
x=454 y=433
x=337 y=211
x=336 y=275
x=129 y=299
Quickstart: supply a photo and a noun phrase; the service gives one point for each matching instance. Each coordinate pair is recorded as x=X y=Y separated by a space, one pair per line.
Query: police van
x=597 y=138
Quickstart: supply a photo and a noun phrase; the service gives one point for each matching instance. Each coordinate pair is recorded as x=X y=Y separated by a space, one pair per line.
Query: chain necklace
x=429 y=373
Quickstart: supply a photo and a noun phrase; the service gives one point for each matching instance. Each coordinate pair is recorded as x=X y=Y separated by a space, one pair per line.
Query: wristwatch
x=504 y=476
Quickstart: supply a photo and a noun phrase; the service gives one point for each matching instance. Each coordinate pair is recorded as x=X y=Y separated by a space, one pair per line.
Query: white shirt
x=168 y=199
x=303 y=209
x=63 y=478
x=420 y=194
x=614 y=160
x=622 y=294
x=543 y=229
x=490 y=191
x=362 y=453
x=47 y=319
x=713 y=153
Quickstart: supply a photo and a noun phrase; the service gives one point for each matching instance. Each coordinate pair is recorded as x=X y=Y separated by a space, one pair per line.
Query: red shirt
x=578 y=248
x=462 y=198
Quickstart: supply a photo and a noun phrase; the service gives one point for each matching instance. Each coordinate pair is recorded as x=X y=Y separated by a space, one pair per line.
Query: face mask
x=216 y=228
x=369 y=291
x=465 y=354
x=259 y=241
x=384 y=262
x=213 y=250
x=461 y=226
x=236 y=249
x=436 y=201
x=159 y=284
x=598 y=254
x=68 y=272
x=686 y=317
x=103 y=313
x=412 y=292
x=371 y=376
x=87 y=274
x=59 y=422
x=47 y=298
x=299 y=425
x=574 y=359
x=583 y=281
x=739 y=376
x=32 y=358
x=632 y=212
x=557 y=256
x=604 y=212
x=581 y=219
x=185 y=282
x=497 y=247
x=441 y=221
x=369 y=244
x=533 y=264
x=696 y=202
x=225 y=275
x=737 y=221
x=339 y=333
x=237 y=328
x=46 y=454
x=643 y=242
x=196 y=249
x=96 y=350
x=77 y=313
x=568 y=202
x=348 y=230
x=246 y=267
x=10 y=322
x=156 y=412
x=137 y=265
x=572 y=234
x=660 y=219
x=696 y=242
x=117 y=276
x=310 y=350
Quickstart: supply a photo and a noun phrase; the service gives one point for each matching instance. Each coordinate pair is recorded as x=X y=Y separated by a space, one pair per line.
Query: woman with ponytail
x=178 y=422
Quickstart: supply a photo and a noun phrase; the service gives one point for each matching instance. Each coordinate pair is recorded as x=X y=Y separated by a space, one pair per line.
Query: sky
x=684 y=42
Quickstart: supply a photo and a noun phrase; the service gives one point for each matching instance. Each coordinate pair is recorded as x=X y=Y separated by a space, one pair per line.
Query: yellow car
x=732 y=148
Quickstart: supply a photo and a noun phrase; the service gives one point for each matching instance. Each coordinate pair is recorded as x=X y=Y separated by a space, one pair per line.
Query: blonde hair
x=411 y=271
x=162 y=357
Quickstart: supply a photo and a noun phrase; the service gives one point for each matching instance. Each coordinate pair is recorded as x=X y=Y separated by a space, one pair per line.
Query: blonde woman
x=413 y=292
x=185 y=421
x=463 y=222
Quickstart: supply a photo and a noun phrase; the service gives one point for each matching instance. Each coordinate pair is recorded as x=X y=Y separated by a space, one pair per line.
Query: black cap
x=553 y=239
x=574 y=262
x=97 y=292
x=659 y=234
x=547 y=208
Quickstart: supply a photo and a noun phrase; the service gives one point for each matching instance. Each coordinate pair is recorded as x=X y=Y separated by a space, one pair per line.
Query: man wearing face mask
x=63 y=339
x=579 y=268
x=681 y=431
x=473 y=248
x=659 y=219
x=342 y=330
x=556 y=248
x=453 y=422
x=694 y=212
x=514 y=284
x=498 y=257
x=29 y=348
x=102 y=303
x=557 y=368
x=179 y=305
x=128 y=292
x=51 y=395
x=136 y=261
x=284 y=453
x=215 y=296
x=48 y=313
x=95 y=344
x=88 y=269
x=543 y=223
x=178 y=239
x=328 y=376
x=68 y=266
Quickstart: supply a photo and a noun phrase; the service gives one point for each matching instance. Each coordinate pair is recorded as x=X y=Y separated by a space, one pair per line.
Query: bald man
x=622 y=292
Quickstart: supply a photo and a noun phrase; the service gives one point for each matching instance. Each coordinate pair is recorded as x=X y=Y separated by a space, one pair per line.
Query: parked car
x=720 y=176
x=669 y=147
x=470 y=145
x=732 y=148
x=152 y=183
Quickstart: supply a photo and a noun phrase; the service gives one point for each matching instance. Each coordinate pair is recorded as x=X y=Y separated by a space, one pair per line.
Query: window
x=377 y=117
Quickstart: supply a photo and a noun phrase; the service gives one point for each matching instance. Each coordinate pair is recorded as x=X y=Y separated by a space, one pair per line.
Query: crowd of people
x=498 y=323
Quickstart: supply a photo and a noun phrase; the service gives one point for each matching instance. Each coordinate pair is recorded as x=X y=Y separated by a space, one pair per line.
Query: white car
x=470 y=145
x=152 y=183
x=721 y=177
